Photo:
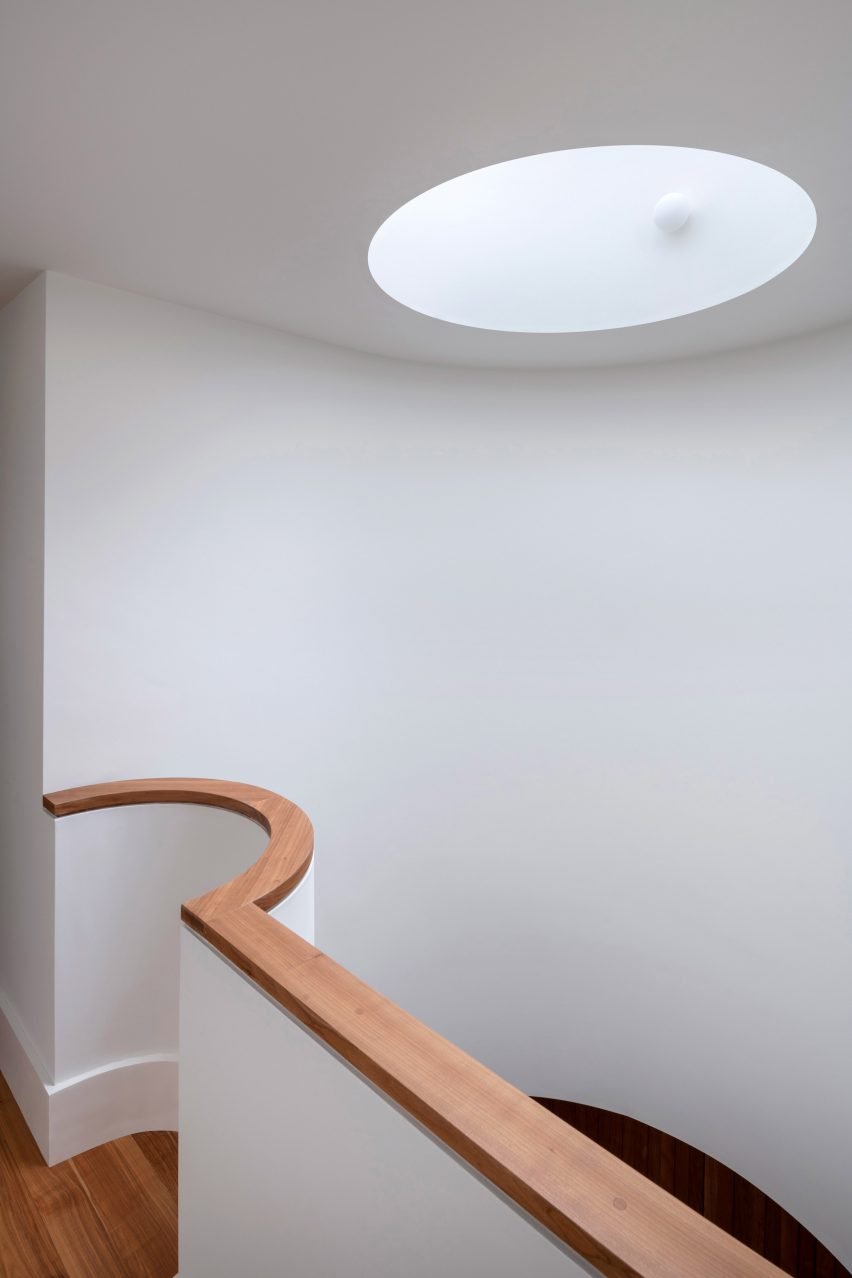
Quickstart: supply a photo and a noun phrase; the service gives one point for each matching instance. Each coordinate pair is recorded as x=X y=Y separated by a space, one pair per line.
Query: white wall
x=26 y=843
x=121 y=876
x=559 y=665
x=89 y=906
x=290 y=1162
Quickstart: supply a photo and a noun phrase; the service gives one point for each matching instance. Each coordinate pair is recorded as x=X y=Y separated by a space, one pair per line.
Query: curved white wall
x=559 y=665
x=121 y=875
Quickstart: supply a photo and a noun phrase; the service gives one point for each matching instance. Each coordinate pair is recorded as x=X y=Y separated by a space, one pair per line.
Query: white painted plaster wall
x=290 y=1162
x=559 y=665
x=26 y=837
x=121 y=876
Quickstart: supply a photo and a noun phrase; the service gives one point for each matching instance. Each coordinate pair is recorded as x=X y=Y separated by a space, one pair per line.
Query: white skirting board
x=135 y=1095
x=25 y=1074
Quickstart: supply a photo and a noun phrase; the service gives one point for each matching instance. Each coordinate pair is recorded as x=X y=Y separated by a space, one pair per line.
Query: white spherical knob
x=672 y=211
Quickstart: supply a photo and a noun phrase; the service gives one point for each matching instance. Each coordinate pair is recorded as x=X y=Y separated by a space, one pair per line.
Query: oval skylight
x=595 y=238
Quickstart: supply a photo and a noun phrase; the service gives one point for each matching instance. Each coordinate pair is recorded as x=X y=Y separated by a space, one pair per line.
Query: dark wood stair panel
x=708 y=1186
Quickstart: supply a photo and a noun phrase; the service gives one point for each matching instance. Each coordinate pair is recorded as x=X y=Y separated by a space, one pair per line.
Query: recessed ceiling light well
x=594 y=238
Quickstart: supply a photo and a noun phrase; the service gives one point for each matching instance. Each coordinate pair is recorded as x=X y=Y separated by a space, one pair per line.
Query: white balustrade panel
x=292 y=1163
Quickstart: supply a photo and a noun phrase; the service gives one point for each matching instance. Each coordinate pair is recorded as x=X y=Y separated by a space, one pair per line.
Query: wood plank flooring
x=108 y=1213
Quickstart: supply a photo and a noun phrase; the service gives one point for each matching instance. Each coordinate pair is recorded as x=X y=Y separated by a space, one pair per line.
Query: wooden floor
x=109 y=1212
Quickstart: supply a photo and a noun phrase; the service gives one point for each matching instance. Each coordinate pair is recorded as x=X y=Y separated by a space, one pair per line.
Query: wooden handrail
x=285 y=859
x=706 y=1185
x=621 y=1223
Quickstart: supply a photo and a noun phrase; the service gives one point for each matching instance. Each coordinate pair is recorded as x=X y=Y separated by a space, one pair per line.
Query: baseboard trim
x=137 y=1094
x=25 y=1074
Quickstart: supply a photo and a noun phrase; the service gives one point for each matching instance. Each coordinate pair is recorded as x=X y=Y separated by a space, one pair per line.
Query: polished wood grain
x=108 y=1213
x=285 y=859
x=727 y=1199
x=609 y=1213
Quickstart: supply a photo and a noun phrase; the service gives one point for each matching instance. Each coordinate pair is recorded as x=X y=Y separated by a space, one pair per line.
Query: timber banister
x=285 y=859
x=611 y=1215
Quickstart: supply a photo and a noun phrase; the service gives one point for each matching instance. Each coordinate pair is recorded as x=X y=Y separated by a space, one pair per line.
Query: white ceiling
x=238 y=155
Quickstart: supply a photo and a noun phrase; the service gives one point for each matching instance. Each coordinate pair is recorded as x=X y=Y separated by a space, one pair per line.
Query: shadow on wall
x=707 y=1186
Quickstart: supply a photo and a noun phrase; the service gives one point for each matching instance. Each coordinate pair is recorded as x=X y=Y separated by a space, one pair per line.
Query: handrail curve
x=282 y=865
x=612 y=1216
